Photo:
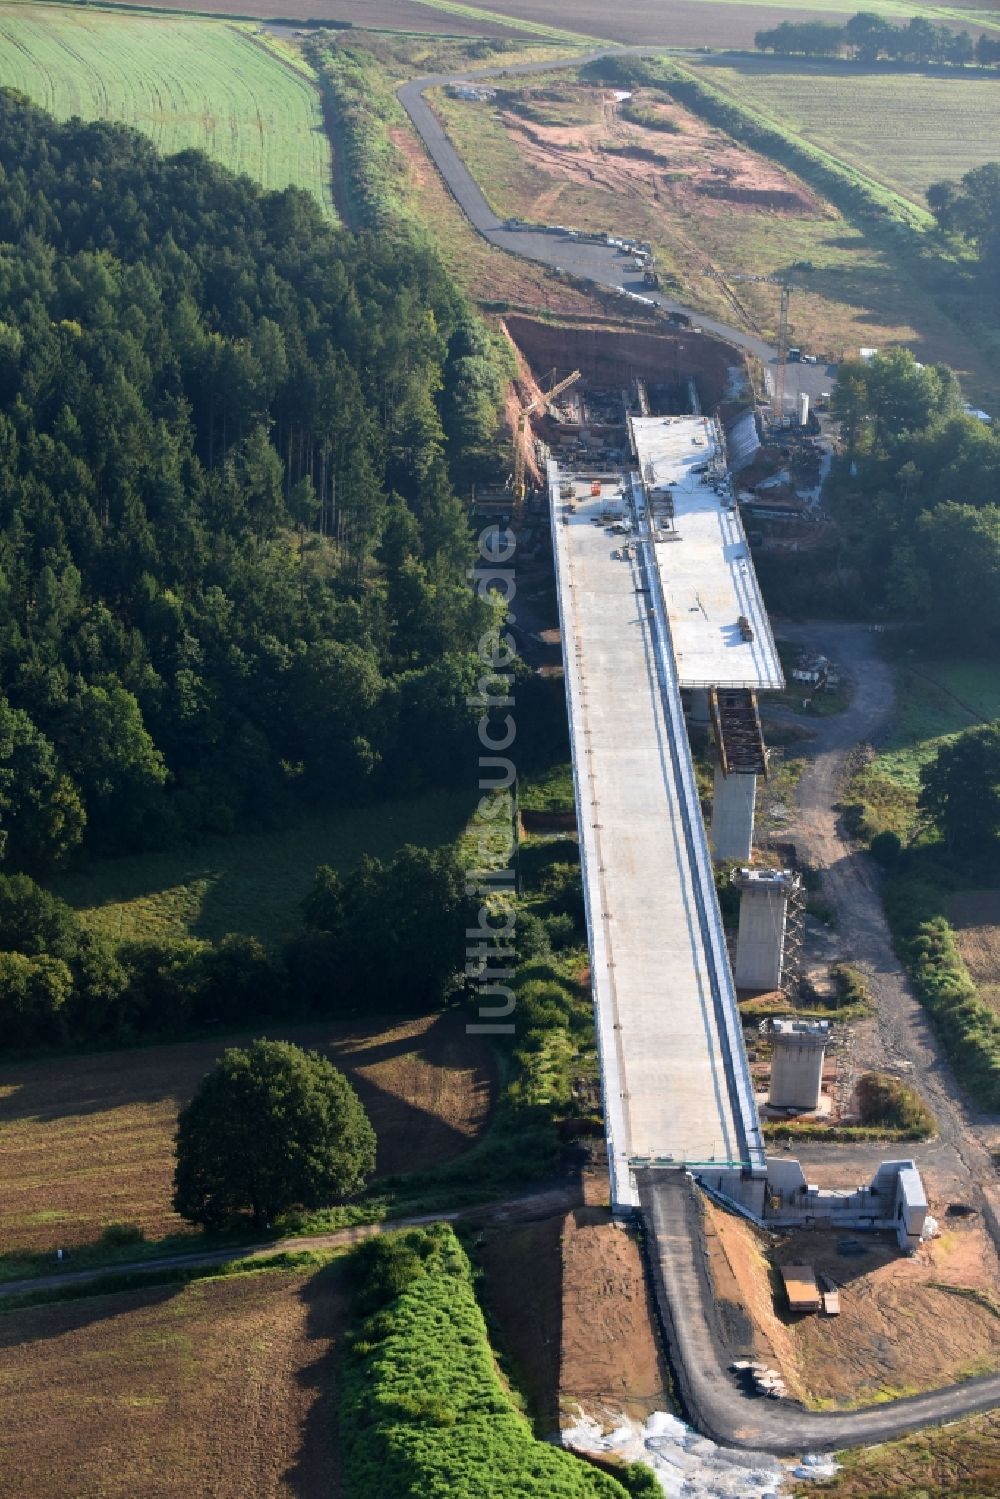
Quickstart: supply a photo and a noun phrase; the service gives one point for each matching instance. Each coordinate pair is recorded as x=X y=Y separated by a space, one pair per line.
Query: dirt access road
x=591 y=262
x=902 y=1039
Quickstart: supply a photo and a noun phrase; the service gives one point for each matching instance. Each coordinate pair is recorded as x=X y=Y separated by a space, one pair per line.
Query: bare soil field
x=171 y=1393
x=562 y=152
x=975 y=915
x=574 y=147
x=611 y=1359
x=88 y=1140
x=389 y=15
x=570 y=1299
x=907 y=1323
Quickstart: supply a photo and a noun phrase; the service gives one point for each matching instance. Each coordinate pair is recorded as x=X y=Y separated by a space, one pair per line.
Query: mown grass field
x=88 y=1140
x=934 y=701
x=252 y=883
x=221 y=1387
x=183 y=82
x=906 y=130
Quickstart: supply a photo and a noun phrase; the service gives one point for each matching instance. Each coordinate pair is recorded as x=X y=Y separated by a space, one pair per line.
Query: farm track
x=905 y=1040
x=524 y=1207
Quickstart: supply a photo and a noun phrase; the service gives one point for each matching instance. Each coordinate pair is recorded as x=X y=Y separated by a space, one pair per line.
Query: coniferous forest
x=236 y=450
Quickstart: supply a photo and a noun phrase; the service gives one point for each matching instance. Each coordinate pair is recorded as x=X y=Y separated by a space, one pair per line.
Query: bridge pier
x=733 y=801
x=760 y=942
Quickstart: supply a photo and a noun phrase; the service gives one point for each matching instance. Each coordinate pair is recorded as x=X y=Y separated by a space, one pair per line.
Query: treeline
x=970 y=208
x=870 y=38
x=233 y=552
x=388 y=940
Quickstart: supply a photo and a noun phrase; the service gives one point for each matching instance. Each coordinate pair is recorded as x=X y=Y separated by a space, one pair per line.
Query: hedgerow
x=969 y=1029
x=423 y=1410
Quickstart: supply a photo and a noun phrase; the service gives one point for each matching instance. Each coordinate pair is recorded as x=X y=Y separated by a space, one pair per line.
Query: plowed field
x=224 y=1388
x=88 y=1141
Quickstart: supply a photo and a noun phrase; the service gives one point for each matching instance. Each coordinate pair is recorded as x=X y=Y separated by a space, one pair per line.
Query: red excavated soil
x=571 y=1305
x=222 y=1388
x=611 y=1360
x=695 y=171
x=906 y=1323
x=88 y=1140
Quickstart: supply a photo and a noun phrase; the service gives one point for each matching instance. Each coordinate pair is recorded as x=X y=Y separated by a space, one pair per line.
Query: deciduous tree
x=270 y=1127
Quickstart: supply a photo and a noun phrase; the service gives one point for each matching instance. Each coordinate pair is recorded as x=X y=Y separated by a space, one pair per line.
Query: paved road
x=711 y=1396
x=904 y=1039
x=599 y=263
x=526 y=1207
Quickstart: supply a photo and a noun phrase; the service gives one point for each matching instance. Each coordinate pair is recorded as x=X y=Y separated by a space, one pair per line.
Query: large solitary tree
x=271 y=1126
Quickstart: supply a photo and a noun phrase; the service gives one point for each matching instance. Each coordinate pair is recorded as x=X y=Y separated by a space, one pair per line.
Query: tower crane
x=778 y=404
x=545 y=400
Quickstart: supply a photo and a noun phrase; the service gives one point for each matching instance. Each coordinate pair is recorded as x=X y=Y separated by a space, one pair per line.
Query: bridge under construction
x=657 y=598
x=653 y=576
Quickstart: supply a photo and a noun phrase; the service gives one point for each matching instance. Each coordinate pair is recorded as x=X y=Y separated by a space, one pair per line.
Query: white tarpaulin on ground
x=688 y=1465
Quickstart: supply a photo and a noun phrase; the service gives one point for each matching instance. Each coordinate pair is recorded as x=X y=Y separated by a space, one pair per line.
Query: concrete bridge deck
x=677 y=1086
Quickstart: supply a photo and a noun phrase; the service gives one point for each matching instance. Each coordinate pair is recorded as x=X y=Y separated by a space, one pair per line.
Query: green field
x=250 y=883
x=935 y=701
x=183 y=82
x=906 y=130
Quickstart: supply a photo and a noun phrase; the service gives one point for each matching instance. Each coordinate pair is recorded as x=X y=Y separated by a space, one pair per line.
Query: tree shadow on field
x=316 y=1472
x=36 y=1324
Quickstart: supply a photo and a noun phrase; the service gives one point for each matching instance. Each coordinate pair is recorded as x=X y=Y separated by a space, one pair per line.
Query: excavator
x=544 y=400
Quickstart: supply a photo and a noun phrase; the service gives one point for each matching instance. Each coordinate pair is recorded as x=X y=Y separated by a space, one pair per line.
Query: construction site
x=630 y=512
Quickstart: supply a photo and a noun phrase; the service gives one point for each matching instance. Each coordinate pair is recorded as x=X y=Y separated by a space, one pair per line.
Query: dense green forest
x=914 y=492
x=916 y=497
x=235 y=449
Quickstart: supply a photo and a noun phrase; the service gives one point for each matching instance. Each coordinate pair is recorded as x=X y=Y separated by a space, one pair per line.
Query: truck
x=794 y=356
x=651 y=278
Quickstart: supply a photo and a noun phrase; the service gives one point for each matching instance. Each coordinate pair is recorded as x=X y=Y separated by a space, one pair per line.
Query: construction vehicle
x=545 y=401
